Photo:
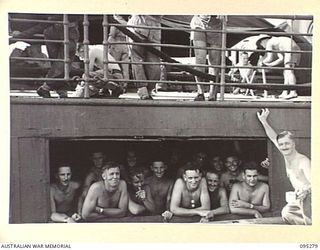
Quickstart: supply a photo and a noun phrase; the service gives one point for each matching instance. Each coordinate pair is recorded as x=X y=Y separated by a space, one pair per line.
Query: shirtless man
x=290 y=60
x=106 y=198
x=94 y=175
x=140 y=199
x=96 y=70
x=190 y=195
x=250 y=197
x=218 y=195
x=246 y=74
x=233 y=173
x=298 y=168
x=161 y=188
x=216 y=165
x=63 y=196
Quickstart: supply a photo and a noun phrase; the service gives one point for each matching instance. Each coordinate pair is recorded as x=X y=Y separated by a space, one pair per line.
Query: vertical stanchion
x=105 y=25
x=86 y=55
x=66 y=44
x=223 y=57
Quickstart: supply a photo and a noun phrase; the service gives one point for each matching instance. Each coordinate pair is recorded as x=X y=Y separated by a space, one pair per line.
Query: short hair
x=135 y=172
x=191 y=166
x=244 y=53
x=250 y=165
x=109 y=165
x=158 y=160
x=213 y=171
x=61 y=165
x=284 y=134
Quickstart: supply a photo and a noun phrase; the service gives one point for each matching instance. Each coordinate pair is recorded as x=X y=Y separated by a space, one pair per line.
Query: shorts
x=211 y=38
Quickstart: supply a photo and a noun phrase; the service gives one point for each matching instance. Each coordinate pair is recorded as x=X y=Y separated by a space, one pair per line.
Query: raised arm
x=263 y=116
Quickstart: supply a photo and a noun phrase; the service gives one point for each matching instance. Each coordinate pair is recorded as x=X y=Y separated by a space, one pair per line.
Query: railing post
x=66 y=44
x=223 y=57
x=86 y=55
x=105 y=25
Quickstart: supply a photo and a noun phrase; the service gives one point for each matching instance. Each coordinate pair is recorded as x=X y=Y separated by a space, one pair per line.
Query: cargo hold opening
x=77 y=152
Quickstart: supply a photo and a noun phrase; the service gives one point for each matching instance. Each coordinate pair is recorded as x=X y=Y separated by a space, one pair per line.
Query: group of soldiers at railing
x=131 y=53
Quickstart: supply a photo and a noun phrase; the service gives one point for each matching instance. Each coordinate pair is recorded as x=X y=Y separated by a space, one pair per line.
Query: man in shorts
x=204 y=39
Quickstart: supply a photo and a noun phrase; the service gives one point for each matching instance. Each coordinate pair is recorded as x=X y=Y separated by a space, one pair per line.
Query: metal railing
x=108 y=21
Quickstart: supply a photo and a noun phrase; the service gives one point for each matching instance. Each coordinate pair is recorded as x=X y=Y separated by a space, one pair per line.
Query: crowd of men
x=146 y=63
x=223 y=186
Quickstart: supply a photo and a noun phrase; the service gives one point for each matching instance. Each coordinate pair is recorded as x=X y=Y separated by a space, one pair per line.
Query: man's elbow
x=85 y=215
x=122 y=213
x=233 y=210
x=173 y=209
x=226 y=209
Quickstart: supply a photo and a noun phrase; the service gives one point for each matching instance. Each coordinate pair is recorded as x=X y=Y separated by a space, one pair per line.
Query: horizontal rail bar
x=36 y=59
x=229 y=31
x=34 y=20
x=167 y=45
x=35 y=40
x=269 y=86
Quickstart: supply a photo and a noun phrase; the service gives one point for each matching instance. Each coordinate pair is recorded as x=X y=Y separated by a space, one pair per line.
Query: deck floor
x=177 y=96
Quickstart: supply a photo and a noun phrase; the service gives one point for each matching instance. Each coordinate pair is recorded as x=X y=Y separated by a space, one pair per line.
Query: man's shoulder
x=179 y=182
x=222 y=190
x=53 y=187
x=122 y=184
x=75 y=184
x=263 y=185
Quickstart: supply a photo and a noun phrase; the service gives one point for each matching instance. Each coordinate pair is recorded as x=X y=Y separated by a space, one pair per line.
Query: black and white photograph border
x=204 y=124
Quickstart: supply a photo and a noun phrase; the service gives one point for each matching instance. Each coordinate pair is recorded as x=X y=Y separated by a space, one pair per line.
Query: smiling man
x=233 y=173
x=106 y=198
x=217 y=194
x=161 y=187
x=298 y=168
x=190 y=194
x=250 y=197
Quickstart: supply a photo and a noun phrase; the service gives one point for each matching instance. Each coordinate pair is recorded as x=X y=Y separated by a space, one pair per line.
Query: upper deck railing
x=166 y=60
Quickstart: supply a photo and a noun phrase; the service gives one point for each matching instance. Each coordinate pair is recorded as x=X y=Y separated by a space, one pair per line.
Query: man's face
x=158 y=168
x=112 y=176
x=201 y=158
x=232 y=163
x=64 y=175
x=245 y=59
x=131 y=158
x=286 y=145
x=217 y=163
x=251 y=177
x=192 y=179
x=212 y=181
x=137 y=181
x=98 y=159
